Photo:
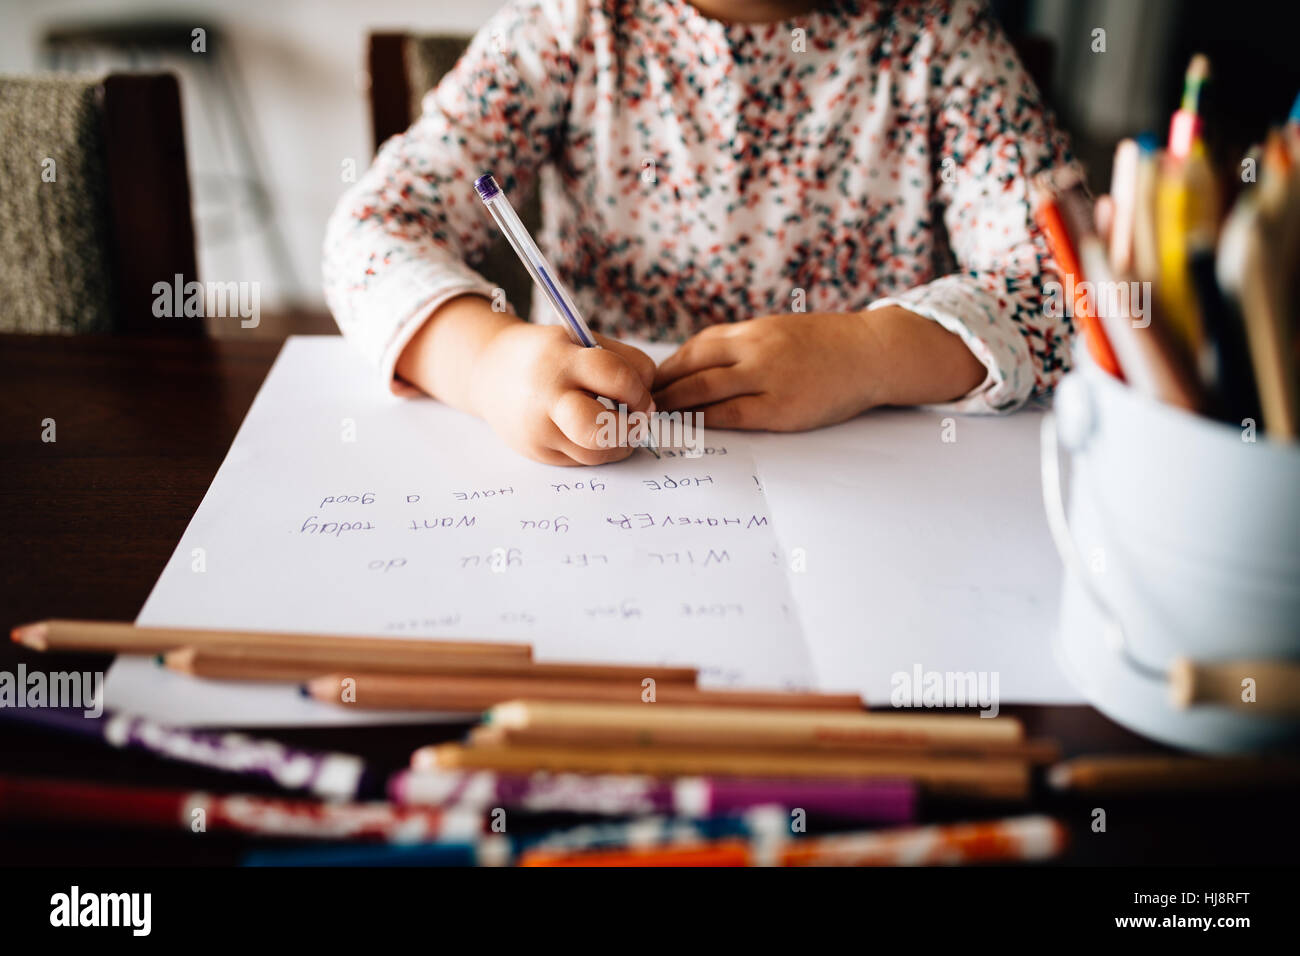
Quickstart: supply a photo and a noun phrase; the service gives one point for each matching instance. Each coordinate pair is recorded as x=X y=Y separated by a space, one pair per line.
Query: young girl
x=815 y=170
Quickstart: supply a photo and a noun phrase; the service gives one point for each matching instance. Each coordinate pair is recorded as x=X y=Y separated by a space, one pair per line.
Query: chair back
x=95 y=206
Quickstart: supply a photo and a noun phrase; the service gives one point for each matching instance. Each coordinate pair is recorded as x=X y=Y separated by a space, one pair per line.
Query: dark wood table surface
x=88 y=521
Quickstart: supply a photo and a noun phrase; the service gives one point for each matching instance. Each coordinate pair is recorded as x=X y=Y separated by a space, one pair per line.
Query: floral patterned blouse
x=695 y=171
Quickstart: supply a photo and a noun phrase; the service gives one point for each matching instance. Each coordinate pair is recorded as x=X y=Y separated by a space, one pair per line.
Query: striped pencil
x=1016 y=839
x=25 y=798
x=325 y=774
x=867 y=801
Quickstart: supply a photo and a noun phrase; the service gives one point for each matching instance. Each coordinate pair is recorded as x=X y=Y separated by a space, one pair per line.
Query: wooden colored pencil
x=1033 y=751
x=1138 y=773
x=1020 y=838
x=471 y=694
x=637 y=724
x=1275 y=689
x=273 y=663
x=112 y=637
x=1123 y=193
x=1146 y=246
x=979 y=776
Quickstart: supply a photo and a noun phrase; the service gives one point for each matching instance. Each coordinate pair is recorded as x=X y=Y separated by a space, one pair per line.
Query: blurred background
x=280 y=101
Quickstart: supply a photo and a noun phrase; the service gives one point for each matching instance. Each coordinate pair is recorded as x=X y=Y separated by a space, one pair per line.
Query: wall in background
x=301 y=63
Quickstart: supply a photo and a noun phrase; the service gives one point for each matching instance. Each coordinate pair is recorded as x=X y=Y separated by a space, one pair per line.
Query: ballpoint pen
x=540 y=270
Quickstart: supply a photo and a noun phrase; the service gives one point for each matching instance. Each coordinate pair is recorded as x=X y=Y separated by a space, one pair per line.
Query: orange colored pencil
x=1051 y=221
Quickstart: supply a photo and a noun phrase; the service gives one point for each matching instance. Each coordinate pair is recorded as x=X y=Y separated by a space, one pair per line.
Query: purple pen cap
x=486 y=186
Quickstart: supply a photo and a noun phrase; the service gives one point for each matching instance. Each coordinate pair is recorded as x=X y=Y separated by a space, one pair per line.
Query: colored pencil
x=111 y=637
x=1016 y=839
x=1139 y=773
x=1258 y=250
x=867 y=801
x=474 y=694
x=491 y=849
x=23 y=798
x=1184 y=199
x=1185 y=125
x=633 y=725
x=1048 y=216
x=246 y=662
x=1150 y=362
x=1030 y=751
x=660 y=833
x=759 y=823
x=977 y=776
x=324 y=774
x=1146 y=249
x=1123 y=194
x=1276 y=685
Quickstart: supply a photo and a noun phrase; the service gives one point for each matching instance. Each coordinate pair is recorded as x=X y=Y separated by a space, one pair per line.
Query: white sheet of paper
x=344 y=510
x=918 y=552
x=341 y=509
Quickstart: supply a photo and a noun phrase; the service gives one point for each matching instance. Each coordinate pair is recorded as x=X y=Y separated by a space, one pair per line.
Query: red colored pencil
x=29 y=798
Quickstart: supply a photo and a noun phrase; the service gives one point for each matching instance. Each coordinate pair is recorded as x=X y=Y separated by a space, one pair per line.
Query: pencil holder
x=1180 y=615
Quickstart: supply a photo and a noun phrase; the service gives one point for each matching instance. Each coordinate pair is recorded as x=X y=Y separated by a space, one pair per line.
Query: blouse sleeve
x=402 y=240
x=992 y=135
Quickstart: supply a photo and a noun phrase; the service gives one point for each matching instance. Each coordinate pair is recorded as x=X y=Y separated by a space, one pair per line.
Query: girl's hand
x=538 y=391
x=529 y=382
x=799 y=371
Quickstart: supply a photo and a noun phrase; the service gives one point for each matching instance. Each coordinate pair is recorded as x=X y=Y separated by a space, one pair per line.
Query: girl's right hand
x=538 y=392
x=529 y=382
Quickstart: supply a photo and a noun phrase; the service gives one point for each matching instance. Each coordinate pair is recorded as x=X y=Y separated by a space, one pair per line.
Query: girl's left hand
x=804 y=370
x=778 y=372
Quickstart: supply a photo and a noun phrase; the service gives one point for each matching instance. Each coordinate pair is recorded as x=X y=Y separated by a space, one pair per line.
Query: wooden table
x=88 y=521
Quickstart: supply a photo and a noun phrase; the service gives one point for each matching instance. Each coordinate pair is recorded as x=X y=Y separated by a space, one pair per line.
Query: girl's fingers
x=578 y=416
x=696 y=354
x=554 y=456
x=642 y=364
x=604 y=372
x=711 y=385
x=577 y=455
x=750 y=412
